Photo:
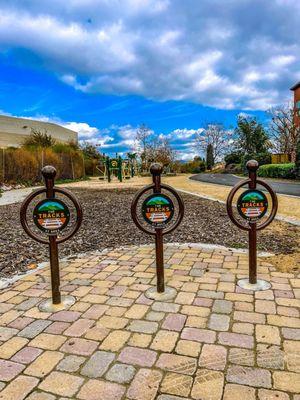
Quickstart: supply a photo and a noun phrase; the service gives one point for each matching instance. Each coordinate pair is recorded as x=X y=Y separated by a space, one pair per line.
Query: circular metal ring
x=79 y=214
x=139 y=195
x=28 y=200
x=271 y=215
x=274 y=205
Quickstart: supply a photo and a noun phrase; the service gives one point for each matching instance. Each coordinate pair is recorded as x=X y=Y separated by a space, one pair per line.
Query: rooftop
x=296 y=86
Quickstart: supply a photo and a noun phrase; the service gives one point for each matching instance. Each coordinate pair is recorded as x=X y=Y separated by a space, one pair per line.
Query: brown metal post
x=159 y=250
x=54 y=268
x=252 y=254
x=156 y=170
x=252 y=167
x=49 y=173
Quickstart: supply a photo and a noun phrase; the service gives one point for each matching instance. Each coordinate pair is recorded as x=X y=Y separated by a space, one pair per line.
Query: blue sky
x=103 y=67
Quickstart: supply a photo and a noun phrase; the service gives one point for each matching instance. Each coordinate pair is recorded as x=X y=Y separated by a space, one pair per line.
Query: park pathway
x=213 y=341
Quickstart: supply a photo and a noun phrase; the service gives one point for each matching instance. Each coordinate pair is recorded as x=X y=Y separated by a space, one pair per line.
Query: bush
x=285 y=171
x=233 y=169
x=193 y=167
x=233 y=158
x=20 y=166
x=24 y=164
x=261 y=158
x=199 y=168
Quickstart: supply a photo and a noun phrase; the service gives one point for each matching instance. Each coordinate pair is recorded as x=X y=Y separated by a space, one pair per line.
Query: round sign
x=51 y=216
x=114 y=163
x=158 y=210
x=252 y=205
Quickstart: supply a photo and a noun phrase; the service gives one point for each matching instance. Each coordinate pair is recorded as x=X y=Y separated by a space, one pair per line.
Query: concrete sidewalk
x=213 y=341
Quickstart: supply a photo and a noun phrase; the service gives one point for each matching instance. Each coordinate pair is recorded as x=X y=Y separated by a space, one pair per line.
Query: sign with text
x=158 y=210
x=252 y=205
x=51 y=216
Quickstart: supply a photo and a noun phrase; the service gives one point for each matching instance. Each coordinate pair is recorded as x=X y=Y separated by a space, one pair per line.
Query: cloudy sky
x=102 y=67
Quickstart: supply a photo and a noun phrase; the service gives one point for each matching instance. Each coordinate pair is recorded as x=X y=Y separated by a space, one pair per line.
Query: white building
x=14 y=130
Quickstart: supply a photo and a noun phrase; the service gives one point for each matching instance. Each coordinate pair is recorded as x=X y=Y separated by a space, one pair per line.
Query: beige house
x=14 y=130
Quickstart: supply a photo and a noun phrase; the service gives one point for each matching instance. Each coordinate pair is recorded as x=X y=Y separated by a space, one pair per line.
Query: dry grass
x=288 y=207
x=286 y=262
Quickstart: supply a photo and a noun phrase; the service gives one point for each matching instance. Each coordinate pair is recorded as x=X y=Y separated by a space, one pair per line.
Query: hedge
x=261 y=158
x=286 y=171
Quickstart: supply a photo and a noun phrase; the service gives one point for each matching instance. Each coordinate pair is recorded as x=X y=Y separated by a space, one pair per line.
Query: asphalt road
x=281 y=187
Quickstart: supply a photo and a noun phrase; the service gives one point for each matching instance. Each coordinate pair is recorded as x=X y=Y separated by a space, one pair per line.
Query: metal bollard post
x=51 y=216
x=252 y=206
x=157 y=211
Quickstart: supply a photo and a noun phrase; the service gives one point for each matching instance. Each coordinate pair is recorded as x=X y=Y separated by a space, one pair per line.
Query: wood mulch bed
x=107 y=223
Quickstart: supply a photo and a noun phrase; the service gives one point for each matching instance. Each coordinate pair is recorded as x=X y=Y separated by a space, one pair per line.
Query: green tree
x=131 y=156
x=209 y=157
x=251 y=136
x=90 y=151
x=235 y=157
x=195 y=166
x=38 y=138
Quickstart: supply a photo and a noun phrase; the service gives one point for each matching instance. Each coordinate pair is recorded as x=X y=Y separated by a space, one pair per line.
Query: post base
x=168 y=294
x=48 y=306
x=259 y=285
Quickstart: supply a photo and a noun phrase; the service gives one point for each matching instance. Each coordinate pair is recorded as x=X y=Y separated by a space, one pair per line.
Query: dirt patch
x=107 y=223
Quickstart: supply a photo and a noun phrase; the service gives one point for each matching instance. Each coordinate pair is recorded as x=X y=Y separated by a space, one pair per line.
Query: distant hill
x=253 y=197
x=51 y=206
x=157 y=200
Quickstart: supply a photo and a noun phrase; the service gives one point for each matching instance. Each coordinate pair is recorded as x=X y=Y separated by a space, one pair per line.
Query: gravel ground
x=107 y=223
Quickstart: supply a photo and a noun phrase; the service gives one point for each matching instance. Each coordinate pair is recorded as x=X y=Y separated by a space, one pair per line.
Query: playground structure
x=117 y=167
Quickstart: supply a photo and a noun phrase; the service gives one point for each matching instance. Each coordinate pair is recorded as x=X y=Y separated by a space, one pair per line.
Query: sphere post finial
x=252 y=165
x=156 y=169
x=48 y=172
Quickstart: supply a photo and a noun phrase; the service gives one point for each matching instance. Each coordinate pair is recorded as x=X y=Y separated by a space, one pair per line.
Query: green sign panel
x=114 y=164
x=252 y=205
x=51 y=216
x=158 y=210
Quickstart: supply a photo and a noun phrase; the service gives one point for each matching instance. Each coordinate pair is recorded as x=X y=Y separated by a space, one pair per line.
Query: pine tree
x=210 y=157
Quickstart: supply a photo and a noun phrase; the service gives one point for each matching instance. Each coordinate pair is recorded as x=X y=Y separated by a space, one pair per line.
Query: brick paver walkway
x=213 y=341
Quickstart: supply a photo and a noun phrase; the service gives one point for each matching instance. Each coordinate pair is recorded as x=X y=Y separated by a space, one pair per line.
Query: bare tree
x=161 y=151
x=143 y=139
x=216 y=136
x=284 y=133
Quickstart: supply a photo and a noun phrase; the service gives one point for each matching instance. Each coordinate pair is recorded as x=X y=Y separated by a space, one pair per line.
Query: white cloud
x=121 y=139
x=84 y=130
x=238 y=54
x=185 y=133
